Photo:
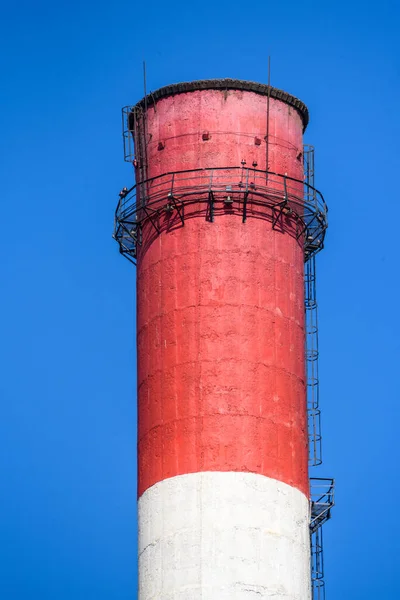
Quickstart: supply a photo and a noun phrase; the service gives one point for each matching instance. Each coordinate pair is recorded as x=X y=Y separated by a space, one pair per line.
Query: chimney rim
x=223 y=85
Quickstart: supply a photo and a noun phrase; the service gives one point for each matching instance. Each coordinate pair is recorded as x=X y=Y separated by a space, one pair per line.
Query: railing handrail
x=280 y=193
x=236 y=168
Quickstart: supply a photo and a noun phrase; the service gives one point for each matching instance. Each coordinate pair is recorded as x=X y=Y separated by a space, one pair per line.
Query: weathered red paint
x=220 y=316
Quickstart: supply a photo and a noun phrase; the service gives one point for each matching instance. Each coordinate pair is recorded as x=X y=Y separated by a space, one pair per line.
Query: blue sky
x=67 y=350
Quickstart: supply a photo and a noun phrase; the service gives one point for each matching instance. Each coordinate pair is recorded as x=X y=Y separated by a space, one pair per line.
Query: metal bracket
x=150 y=218
x=245 y=197
x=210 y=207
x=180 y=210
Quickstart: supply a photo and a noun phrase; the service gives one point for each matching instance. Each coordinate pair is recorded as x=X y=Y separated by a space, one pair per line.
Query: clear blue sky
x=67 y=422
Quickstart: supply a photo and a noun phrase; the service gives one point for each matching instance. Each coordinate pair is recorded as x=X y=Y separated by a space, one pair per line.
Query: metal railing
x=312 y=355
x=311 y=330
x=318 y=589
x=321 y=504
x=322 y=501
x=248 y=192
x=322 y=490
x=129 y=116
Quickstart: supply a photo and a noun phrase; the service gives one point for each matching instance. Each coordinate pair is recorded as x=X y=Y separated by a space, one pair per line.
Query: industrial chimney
x=223 y=224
